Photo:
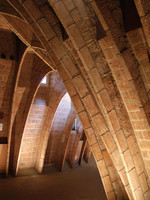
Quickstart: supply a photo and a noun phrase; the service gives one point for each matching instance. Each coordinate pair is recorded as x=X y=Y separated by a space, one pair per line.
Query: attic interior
x=75 y=82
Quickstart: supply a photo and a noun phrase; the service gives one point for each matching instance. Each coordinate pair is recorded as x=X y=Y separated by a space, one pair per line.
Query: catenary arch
x=27 y=83
x=84 y=74
x=35 y=134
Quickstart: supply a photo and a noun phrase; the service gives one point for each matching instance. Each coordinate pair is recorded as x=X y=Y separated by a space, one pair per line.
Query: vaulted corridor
x=75 y=80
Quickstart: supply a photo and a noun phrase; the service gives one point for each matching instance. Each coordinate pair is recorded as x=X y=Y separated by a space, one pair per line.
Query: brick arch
x=143 y=10
x=14 y=112
x=79 y=130
x=31 y=18
x=69 y=26
x=57 y=91
x=64 y=141
x=134 y=75
x=27 y=81
x=16 y=25
x=52 y=93
x=6 y=8
x=90 y=116
x=118 y=69
x=73 y=72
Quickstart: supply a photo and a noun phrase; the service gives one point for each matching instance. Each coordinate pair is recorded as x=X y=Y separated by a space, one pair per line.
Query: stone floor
x=80 y=183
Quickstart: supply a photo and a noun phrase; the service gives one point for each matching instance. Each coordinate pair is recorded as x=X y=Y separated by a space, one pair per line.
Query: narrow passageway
x=80 y=183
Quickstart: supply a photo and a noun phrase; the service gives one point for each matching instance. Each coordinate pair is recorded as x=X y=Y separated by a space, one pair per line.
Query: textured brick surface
x=90 y=105
x=128 y=161
x=133 y=179
x=57 y=130
x=143 y=182
x=107 y=183
x=78 y=81
x=96 y=152
x=102 y=168
x=138 y=163
x=84 y=119
x=110 y=144
x=108 y=81
x=90 y=136
x=100 y=123
x=121 y=141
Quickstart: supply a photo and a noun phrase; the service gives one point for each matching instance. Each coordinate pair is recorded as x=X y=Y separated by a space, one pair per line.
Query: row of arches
x=107 y=80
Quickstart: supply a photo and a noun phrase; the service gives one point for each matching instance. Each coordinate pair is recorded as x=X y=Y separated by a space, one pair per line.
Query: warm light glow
x=44 y=80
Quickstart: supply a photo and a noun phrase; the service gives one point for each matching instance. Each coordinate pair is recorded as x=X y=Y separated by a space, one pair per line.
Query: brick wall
x=32 y=131
x=57 y=129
